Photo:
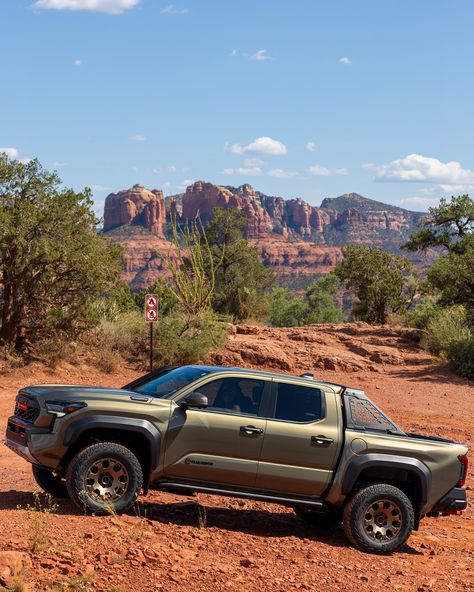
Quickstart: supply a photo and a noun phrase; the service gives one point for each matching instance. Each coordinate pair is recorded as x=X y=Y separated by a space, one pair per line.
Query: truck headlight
x=62 y=408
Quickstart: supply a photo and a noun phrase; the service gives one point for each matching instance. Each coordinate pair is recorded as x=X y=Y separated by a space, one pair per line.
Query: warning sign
x=151 y=308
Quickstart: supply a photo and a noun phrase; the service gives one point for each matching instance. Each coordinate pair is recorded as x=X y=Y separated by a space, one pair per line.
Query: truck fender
x=374 y=460
x=140 y=426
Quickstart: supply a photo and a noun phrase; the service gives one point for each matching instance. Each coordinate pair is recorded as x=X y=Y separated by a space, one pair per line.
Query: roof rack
x=307 y=375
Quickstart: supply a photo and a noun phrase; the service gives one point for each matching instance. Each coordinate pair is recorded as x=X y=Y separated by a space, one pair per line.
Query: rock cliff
x=296 y=239
x=137 y=206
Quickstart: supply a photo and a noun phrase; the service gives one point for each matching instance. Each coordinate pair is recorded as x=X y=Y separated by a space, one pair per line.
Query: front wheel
x=50 y=482
x=378 y=519
x=104 y=478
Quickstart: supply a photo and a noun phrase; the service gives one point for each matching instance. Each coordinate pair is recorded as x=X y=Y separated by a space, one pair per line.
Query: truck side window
x=298 y=403
x=234 y=395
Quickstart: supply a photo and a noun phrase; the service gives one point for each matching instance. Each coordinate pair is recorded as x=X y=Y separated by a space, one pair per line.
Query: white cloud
x=320 y=171
x=137 y=138
x=100 y=188
x=234 y=52
x=419 y=202
x=281 y=174
x=165 y=169
x=345 y=61
x=108 y=6
x=254 y=162
x=171 y=9
x=59 y=165
x=11 y=152
x=78 y=62
x=259 y=56
x=416 y=168
x=263 y=145
x=245 y=171
x=310 y=146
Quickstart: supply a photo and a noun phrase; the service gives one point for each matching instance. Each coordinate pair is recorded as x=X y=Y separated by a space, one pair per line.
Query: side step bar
x=262 y=497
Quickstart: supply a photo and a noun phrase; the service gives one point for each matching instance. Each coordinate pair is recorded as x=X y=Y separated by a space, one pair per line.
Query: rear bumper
x=454 y=501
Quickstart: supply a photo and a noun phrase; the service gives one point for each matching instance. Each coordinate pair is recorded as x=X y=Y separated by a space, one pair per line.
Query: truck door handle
x=321 y=440
x=251 y=430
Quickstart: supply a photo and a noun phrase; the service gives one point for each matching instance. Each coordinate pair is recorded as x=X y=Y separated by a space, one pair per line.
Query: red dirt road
x=210 y=543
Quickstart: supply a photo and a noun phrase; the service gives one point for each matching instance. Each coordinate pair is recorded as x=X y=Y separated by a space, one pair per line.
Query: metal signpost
x=151 y=316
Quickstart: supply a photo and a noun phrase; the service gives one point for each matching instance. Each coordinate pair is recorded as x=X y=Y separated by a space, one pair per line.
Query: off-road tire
x=80 y=478
x=371 y=502
x=322 y=520
x=50 y=482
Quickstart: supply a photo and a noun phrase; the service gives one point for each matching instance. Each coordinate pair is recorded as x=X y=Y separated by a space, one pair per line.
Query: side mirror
x=195 y=400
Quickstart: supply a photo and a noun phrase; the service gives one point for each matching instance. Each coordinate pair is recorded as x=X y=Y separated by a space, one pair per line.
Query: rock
x=293 y=236
x=136 y=206
x=12 y=564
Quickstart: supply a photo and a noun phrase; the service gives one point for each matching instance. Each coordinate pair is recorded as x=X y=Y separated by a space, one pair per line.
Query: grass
x=39 y=518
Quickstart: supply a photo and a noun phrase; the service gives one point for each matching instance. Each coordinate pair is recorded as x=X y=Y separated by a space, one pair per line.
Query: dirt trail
x=249 y=545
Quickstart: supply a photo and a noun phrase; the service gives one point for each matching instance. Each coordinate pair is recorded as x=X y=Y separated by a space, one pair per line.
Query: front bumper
x=454 y=501
x=17 y=440
x=23 y=451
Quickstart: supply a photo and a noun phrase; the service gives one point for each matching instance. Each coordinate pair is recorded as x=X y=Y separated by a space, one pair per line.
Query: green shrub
x=460 y=356
x=421 y=314
x=182 y=338
x=446 y=328
x=287 y=308
x=179 y=338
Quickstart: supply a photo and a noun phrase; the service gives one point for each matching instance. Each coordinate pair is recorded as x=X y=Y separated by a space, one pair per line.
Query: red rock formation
x=136 y=206
x=294 y=237
x=201 y=198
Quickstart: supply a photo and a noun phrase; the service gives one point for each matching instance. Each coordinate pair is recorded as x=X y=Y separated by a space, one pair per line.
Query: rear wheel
x=50 y=482
x=378 y=519
x=104 y=478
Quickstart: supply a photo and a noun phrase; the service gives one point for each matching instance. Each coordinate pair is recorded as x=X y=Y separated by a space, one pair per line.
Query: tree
x=318 y=305
x=322 y=307
x=53 y=263
x=241 y=279
x=450 y=227
x=378 y=279
x=287 y=309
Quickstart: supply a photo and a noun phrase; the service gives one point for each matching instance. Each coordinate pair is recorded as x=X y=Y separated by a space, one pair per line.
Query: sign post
x=151 y=316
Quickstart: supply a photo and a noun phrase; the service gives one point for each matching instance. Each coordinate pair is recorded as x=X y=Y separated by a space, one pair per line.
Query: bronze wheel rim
x=382 y=520
x=106 y=480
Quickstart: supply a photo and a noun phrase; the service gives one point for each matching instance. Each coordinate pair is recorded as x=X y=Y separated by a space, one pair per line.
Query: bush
x=184 y=339
x=460 y=356
x=420 y=316
x=446 y=328
x=287 y=308
x=179 y=338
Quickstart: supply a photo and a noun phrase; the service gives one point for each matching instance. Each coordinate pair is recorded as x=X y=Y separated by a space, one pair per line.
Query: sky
x=306 y=98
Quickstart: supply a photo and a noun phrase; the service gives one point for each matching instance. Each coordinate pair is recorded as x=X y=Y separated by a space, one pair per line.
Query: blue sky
x=304 y=99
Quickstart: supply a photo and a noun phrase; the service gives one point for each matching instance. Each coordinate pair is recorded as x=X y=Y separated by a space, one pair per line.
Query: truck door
x=220 y=444
x=302 y=440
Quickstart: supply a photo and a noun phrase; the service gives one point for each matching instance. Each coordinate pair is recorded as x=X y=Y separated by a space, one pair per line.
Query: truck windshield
x=165 y=385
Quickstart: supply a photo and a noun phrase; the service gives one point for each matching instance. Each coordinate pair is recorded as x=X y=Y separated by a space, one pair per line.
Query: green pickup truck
x=321 y=448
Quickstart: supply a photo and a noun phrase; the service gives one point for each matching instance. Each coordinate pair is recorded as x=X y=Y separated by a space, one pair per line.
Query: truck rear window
x=362 y=414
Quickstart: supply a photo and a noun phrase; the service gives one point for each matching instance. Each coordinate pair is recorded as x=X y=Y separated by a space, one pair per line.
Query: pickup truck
x=321 y=448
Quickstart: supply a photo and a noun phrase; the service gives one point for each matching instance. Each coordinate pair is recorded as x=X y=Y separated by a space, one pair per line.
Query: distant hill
x=297 y=240
x=364 y=204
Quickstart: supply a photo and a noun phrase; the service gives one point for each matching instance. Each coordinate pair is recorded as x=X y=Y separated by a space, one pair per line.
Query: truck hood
x=74 y=391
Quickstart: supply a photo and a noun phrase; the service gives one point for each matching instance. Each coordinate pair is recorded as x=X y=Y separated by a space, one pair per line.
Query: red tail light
x=464 y=462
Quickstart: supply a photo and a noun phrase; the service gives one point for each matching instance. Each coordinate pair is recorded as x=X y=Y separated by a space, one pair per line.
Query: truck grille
x=26 y=408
